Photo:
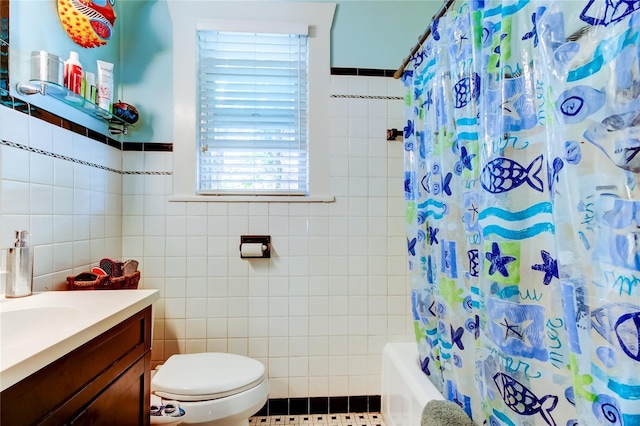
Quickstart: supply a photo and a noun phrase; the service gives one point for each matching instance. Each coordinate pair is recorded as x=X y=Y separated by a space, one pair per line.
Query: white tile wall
x=72 y=211
x=317 y=314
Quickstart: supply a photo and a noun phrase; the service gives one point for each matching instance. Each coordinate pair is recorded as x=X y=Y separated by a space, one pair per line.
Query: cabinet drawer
x=55 y=393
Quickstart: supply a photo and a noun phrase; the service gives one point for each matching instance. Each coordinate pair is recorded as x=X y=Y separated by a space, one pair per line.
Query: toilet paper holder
x=255 y=246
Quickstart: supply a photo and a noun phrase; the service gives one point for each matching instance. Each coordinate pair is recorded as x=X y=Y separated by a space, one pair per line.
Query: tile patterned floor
x=348 y=419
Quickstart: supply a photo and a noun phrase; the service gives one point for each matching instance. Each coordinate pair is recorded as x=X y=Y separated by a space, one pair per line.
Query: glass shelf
x=70 y=98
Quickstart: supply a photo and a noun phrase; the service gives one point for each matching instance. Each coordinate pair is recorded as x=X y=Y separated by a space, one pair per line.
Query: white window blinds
x=252 y=115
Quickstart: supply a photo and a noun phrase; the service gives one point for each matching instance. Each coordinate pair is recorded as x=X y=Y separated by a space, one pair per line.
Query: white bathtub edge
x=405 y=388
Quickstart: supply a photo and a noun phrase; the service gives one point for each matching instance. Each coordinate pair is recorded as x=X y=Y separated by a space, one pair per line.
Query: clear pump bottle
x=19 y=267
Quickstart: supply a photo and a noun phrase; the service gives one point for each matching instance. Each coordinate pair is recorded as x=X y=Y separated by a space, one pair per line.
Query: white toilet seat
x=206 y=376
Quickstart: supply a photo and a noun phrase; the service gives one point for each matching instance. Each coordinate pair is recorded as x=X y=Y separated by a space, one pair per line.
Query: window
x=252 y=113
x=313 y=19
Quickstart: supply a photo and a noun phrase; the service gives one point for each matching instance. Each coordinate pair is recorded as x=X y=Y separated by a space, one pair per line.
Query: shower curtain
x=521 y=173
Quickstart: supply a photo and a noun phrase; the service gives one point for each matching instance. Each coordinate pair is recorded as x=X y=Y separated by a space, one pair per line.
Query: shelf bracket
x=117 y=128
x=29 y=89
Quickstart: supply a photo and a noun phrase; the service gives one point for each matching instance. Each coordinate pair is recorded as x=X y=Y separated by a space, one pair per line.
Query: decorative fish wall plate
x=89 y=23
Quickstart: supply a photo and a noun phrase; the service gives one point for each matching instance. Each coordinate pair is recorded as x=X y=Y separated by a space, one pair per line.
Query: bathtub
x=405 y=388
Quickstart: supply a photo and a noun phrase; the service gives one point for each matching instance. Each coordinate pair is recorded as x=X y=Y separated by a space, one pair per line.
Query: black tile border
x=344 y=71
x=358 y=404
x=375 y=405
x=339 y=404
x=298 y=406
x=147 y=146
x=157 y=147
x=371 y=72
x=321 y=405
x=364 y=72
x=19 y=105
x=279 y=406
x=133 y=146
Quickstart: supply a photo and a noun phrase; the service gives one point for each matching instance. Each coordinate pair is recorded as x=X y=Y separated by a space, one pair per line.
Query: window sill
x=252 y=198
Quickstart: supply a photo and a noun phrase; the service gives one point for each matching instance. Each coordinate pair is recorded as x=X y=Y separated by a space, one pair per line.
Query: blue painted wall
x=378 y=34
x=365 y=34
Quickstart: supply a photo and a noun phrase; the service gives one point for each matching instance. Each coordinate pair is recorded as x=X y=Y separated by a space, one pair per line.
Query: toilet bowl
x=213 y=388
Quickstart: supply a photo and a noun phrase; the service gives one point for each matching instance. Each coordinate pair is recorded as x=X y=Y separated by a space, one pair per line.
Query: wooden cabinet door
x=106 y=373
x=122 y=403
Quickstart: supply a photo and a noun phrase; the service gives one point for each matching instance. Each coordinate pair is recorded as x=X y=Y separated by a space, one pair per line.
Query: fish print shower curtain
x=523 y=211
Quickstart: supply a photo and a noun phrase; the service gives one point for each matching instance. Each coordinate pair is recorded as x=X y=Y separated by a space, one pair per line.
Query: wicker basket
x=129 y=282
x=105 y=282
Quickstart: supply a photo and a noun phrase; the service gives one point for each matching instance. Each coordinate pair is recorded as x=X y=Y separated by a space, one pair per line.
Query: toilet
x=213 y=388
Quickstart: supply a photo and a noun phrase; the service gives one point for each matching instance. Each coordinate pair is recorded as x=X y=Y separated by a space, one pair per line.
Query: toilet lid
x=204 y=376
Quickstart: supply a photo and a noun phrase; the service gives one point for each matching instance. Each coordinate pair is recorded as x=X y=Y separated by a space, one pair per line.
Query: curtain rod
x=423 y=37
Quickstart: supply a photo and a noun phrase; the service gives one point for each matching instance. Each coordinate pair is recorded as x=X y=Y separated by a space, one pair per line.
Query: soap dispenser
x=19 y=267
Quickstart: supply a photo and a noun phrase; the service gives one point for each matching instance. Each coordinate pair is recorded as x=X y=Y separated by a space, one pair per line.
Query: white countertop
x=38 y=329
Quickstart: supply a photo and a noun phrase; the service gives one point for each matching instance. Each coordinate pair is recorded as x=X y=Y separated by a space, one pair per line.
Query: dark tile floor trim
x=365 y=72
x=321 y=405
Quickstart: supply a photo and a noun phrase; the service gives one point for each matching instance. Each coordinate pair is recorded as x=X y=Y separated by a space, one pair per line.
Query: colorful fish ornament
x=522 y=401
x=503 y=174
x=89 y=23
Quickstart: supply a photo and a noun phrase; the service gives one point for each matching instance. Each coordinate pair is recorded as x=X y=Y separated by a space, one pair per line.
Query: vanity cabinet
x=106 y=381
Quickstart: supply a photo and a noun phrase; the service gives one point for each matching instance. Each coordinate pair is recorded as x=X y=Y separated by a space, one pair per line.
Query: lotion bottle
x=19 y=281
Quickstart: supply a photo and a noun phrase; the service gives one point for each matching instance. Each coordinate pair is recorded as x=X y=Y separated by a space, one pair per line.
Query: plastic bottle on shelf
x=73 y=74
x=90 y=89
